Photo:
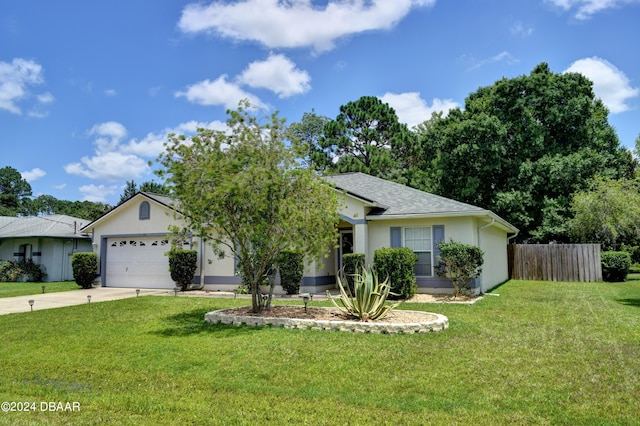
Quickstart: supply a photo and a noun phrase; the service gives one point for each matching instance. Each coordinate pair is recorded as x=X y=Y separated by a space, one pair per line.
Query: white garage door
x=138 y=262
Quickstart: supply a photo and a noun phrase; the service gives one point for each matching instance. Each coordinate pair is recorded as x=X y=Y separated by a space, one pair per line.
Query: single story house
x=49 y=241
x=131 y=240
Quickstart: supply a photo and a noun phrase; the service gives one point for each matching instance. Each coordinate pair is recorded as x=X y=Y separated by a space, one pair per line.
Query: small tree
x=291 y=267
x=182 y=266
x=85 y=268
x=243 y=191
x=460 y=263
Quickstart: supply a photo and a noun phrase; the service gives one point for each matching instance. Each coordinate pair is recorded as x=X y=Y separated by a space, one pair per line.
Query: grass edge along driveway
x=29 y=288
x=540 y=353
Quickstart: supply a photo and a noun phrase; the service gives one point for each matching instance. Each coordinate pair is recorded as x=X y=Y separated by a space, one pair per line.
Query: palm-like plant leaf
x=368 y=301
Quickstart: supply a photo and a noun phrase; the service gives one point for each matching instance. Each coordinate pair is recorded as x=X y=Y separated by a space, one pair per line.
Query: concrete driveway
x=10 y=305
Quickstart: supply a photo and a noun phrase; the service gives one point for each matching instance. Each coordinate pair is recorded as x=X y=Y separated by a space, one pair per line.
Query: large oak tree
x=522 y=146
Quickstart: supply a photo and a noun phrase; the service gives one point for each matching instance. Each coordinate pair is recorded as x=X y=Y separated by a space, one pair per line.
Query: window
x=144 y=212
x=420 y=241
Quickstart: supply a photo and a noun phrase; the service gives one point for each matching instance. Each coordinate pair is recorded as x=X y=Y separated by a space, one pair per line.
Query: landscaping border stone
x=439 y=323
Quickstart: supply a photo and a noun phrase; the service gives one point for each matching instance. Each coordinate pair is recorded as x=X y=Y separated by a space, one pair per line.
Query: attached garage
x=137 y=262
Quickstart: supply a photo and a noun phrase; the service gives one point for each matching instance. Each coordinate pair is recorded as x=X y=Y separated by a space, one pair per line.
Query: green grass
x=25 y=289
x=539 y=353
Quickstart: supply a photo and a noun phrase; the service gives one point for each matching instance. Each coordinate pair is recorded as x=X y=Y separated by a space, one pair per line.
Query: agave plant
x=368 y=301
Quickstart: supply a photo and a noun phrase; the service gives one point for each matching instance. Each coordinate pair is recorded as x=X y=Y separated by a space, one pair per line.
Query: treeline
x=16 y=198
x=530 y=149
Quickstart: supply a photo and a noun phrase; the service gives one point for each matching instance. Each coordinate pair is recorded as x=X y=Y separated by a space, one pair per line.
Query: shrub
x=10 y=271
x=368 y=301
x=182 y=265
x=460 y=263
x=615 y=265
x=33 y=270
x=85 y=268
x=291 y=267
x=351 y=264
x=397 y=264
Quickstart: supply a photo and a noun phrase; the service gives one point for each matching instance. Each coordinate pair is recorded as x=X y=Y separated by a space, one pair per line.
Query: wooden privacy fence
x=555 y=262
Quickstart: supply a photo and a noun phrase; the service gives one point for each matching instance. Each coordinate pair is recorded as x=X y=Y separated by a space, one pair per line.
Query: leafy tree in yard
x=366 y=137
x=522 y=146
x=243 y=191
x=305 y=137
x=131 y=189
x=608 y=213
x=14 y=190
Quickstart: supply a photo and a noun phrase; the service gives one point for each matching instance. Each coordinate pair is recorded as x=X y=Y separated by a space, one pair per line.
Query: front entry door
x=345 y=247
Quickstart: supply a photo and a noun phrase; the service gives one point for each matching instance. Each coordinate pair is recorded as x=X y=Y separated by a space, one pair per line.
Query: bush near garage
x=182 y=266
x=291 y=267
x=85 y=268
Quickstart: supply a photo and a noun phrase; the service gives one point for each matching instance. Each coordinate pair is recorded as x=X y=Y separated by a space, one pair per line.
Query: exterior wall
x=54 y=254
x=459 y=229
x=493 y=241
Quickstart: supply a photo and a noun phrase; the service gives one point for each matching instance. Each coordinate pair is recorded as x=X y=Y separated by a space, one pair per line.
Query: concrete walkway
x=10 y=305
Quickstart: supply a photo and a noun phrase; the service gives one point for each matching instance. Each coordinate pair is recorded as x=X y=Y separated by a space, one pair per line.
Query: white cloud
x=97 y=193
x=278 y=74
x=295 y=23
x=15 y=77
x=519 y=29
x=413 y=110
x=109 y=166
x=503 y=56
x=33 y=174
x=109 y=135
x=585 y=9
x=609 y=83
x=218 y=92
x=153 y=143
x=46 y=98
x=117 y=159
x=61 y=186
x=110 y=92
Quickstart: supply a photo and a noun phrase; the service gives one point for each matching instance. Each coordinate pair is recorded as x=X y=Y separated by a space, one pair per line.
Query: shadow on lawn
x=192 y=322
x=629 y=302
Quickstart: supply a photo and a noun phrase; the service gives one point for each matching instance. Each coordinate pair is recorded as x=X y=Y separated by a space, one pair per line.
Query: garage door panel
x=138 y=262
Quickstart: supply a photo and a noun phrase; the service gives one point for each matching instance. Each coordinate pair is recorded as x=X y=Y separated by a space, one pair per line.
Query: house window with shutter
x=423 y=240
x=420 y=240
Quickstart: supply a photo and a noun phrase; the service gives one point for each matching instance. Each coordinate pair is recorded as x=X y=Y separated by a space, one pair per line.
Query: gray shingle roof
x=57 y=226
x=394 y=199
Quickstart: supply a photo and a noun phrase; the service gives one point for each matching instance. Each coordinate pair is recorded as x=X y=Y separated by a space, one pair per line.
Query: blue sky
x=89 y=90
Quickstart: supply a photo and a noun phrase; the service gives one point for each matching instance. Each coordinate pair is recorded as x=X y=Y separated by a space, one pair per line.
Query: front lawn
x=25 y=289
x=539 y=353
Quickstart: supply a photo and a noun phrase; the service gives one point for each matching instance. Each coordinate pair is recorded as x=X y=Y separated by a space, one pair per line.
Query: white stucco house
x=48 y=241
x=131 y=240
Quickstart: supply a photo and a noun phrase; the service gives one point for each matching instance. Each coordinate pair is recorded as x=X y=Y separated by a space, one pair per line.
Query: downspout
x=493 y=221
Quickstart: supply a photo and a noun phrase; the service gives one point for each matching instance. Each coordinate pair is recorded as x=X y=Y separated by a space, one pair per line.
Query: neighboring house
x=48 y=241
x=132 y=238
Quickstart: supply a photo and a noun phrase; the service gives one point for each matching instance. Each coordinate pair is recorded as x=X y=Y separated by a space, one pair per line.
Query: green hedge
x=13 y=271
x=291 y=267
x=352 y=264
x=182 y=265
x=398 y=265
x=85 y=268
x=615 y=265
